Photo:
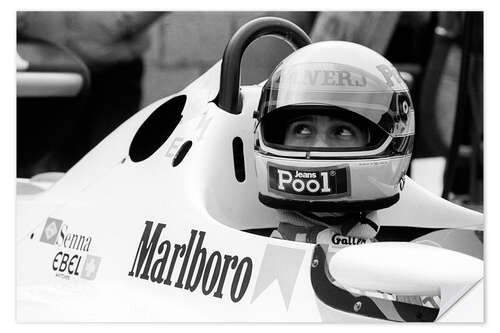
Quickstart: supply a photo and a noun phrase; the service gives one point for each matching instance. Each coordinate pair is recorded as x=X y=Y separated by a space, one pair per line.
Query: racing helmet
x=333 y=82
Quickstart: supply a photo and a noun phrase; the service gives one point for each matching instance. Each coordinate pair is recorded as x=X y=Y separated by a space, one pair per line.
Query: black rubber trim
x=402 y=233
x=340 y=299
x=181 y=153
x=265 y=232
x=320 y=206
x=238 y=160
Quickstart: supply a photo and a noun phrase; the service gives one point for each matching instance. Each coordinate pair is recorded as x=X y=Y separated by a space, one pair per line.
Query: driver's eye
x=343 y=132
x=302 y=130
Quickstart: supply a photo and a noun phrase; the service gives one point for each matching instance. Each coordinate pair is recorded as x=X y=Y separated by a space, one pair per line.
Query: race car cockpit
x=178 y=203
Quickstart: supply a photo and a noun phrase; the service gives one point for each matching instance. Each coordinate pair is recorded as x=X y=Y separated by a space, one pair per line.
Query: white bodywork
x=106 y=200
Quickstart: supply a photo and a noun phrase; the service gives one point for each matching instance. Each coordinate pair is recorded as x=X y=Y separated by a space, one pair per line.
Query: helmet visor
x=342 y=86
x=322 y=128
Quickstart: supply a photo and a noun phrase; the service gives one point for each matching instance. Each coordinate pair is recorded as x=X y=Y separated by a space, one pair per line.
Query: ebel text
x=73 y=258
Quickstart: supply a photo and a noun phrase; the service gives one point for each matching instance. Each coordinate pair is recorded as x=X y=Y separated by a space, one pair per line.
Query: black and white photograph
x=282 y=166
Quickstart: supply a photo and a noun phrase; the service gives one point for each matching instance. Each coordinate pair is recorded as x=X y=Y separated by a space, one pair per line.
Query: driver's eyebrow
x=300 y=118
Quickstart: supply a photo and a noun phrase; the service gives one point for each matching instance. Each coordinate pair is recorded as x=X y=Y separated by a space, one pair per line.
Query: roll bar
x=228 y=97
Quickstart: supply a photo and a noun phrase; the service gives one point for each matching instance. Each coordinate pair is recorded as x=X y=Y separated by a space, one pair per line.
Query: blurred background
x=81 y=74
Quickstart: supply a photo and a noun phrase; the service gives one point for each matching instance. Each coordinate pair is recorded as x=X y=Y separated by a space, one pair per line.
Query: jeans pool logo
x=73 y=259
x=311 y=182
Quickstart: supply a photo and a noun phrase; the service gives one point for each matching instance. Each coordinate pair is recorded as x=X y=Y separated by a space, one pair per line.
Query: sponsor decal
x=90 y=267
x=328 y=182
x=51 y=230
x=190 y=266
x=338 y=239
x=403 y=108
x=390 y=75
x=404 y=105
x=280 y=264
x=203 y=125
x=72 y=260
x=174 y=146
x=327 y=78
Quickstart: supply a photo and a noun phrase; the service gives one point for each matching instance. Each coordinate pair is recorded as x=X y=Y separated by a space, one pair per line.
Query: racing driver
x=333 y=142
